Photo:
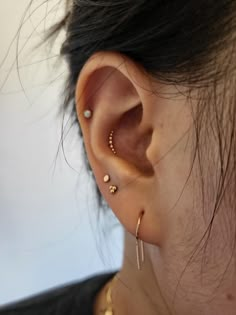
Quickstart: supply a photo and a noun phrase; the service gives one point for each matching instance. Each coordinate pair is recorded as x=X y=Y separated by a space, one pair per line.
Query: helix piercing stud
x=87 y=113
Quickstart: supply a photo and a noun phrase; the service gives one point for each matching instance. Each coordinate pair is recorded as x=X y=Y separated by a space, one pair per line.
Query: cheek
x=178 y=196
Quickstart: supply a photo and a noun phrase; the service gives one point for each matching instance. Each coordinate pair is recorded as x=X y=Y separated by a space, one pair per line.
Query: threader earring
x=109 y=310
x=139 y=243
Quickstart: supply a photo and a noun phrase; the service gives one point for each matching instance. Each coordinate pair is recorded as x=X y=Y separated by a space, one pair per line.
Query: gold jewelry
x=106 y=179
x=113 y=189
x=139 y=243
x=111 y=142
x=110 y=308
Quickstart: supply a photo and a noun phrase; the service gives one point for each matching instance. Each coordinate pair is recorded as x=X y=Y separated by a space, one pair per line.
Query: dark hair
x=185 y=42
x=174 y=41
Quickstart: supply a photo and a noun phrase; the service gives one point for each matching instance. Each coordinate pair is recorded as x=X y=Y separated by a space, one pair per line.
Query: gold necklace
x=109 y=308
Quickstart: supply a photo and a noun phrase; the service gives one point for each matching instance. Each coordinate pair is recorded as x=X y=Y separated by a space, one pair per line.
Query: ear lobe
x=118 y=104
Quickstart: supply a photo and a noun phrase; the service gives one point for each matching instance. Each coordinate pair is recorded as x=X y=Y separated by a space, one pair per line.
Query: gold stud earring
x=106 y=179
x=111 y=142
x=113 y=189
x=139 y=243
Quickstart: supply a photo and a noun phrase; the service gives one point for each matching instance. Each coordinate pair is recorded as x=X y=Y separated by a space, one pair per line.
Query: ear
x=118 y=93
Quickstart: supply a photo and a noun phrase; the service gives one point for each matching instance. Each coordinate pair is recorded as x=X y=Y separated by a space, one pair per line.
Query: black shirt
x=71 y=299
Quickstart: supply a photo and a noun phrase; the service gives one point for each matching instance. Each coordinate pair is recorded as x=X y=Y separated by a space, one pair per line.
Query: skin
x=151 y=168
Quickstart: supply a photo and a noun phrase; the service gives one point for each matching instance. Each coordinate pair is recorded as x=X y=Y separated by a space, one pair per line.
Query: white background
x=50 y=233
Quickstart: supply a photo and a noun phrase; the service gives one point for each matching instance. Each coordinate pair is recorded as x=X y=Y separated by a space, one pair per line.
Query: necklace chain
x=109 y=308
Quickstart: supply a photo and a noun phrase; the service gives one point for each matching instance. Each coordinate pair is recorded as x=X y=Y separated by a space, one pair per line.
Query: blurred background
x=51 y=230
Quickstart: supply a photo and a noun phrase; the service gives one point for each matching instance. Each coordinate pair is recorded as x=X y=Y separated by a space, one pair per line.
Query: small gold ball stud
x=106 y=178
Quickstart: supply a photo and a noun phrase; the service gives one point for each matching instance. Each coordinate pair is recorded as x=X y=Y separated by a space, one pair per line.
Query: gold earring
x=111 y=142
x=139 y=243
x=113 y=189
x=106 y=179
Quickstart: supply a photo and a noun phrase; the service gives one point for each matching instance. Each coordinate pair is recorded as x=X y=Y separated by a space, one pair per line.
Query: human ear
x=116 y=91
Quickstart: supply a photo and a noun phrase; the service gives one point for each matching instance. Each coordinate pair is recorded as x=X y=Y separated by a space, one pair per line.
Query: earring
x=139 y=243
x=87 y=113
x=113 y=189
x=106 y=179
x=111 y=142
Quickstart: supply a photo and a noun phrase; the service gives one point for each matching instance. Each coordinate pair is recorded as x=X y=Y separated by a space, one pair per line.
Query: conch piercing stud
x=111 y=142
x=87 y=113
x=113 y=189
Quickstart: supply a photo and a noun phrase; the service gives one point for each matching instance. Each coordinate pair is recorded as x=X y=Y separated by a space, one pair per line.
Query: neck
x=137 y=291
x=152 y=290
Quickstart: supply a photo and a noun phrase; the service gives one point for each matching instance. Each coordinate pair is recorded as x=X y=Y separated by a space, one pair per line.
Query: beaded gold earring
x=111 y=145
x=113 y=189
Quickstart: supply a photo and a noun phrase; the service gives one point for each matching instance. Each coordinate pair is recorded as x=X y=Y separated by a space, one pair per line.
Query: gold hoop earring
x=139 y=243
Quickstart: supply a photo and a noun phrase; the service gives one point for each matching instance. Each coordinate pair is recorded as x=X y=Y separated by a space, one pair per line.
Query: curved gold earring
x=139 y=243
x=111 y=142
